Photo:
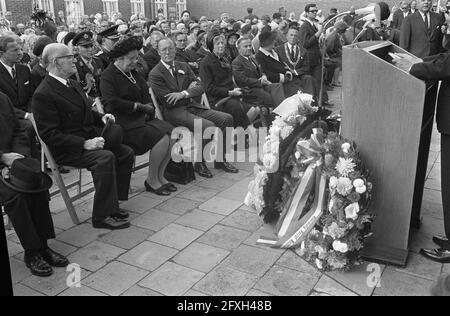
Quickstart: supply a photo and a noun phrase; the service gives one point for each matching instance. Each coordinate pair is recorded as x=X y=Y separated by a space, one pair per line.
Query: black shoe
x=162 y=191
x=170 y=187
x=110 y=223
x=38 y=266
x=54 y=259
x=121 y=215
x=438 y=255
x=226 y=166
x=442 y=242
x=202 y=170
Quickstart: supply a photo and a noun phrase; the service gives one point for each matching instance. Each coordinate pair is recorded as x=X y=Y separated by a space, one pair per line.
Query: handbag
x=180 y=172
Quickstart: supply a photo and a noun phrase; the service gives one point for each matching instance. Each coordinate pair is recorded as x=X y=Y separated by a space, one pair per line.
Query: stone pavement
x=202 y=241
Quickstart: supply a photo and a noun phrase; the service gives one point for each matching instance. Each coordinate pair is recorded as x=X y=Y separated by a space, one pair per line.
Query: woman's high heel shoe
x=162 y=191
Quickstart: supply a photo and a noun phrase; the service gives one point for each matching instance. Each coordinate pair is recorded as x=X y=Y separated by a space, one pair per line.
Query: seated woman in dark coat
x=126 y=95
x=217 y=76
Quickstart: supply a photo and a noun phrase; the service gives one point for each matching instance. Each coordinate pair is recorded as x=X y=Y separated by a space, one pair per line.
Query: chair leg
x=65 y=196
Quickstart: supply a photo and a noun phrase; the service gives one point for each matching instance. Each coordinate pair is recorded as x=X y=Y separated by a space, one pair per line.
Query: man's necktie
x=427 y=24
x=292 y=53
x=14 y=74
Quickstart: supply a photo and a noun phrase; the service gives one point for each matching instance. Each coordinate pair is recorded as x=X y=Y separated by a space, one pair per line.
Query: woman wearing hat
x=231 y=51
x=24 y=195
x=217 y=75
x=126 y=95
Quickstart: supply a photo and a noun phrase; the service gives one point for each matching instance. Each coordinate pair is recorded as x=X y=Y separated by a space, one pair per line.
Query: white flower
x=346 y=147
x=344 y=186
x=181 y=72
x=345 y=166
x=319 y=264
x=333 y=182
x=351 y=211
x=331 y=205
x=275 y=131
x=358 y=183
x=340 y=246
x=297 y=155
x=361 y=190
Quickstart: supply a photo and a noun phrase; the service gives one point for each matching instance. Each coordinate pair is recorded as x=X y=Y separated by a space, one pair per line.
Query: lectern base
x=385 y=255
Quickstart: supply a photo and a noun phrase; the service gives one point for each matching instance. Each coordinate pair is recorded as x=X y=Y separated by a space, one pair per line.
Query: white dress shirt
x=63 y=81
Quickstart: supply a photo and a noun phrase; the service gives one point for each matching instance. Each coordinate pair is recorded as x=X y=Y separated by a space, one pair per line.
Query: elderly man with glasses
x=74 y=135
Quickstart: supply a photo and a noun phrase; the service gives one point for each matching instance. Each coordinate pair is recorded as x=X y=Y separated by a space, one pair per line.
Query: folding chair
x=62 y=187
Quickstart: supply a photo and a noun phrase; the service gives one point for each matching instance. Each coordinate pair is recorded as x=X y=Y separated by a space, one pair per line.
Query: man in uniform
x=109 y=38
x=89 y=67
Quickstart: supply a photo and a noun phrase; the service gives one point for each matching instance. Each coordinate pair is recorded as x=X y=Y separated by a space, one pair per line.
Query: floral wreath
x=323 y=203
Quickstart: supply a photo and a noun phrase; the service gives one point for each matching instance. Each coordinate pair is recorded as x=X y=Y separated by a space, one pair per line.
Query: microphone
x=380 y=11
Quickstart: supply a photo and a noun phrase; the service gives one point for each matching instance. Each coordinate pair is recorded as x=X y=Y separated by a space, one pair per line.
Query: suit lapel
x=67 y=93
x=9 y=79
x=166 y=74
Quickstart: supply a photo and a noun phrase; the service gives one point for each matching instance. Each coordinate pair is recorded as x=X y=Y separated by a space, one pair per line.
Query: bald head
x=58 y=60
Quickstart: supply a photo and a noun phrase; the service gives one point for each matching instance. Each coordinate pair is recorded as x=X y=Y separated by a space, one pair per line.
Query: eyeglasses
x=65 y=57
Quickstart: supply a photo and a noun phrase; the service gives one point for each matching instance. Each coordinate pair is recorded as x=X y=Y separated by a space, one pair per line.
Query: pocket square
x=27 y=83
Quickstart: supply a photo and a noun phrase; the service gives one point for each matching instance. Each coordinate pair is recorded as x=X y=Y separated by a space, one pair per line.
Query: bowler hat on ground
x=25 y=176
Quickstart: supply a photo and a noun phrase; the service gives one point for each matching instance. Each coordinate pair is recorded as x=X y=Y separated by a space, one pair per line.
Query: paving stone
x=61 y=247
x=225 y=281
x=127 y=238
x=198 y=194
x=243 y=220
x=148 y=255
x=394 y=283
x=140 y=204
x=235 y=193
x=256 y=293
x=178 y=206
x=194 y=293
x=14 y=249
x=176 y=236
x=264 y=231
x=115 y=278
x=19 y=271
x=140 y=291
x=281 y=281
x=314 y=293
x=357 y=278
x=172 y=279
x=81 y=291
x=201 y=257
x=200 y=220
x=331 y=287
x=81 y=235
x=220 y=206
x=21 y=290
x=224 y=237
x=432 y=226
x=293 y=261
x=218 y=184
x=419 y=240
x=154 y=220
x=54 y=284
x=434 y=184
x=432 y=195
x=251 y=260
x=421 y=267
x=95 y=255
x=433 y=209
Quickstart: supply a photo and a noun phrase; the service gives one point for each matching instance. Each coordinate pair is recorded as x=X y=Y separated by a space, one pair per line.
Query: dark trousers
x=111 y=172
x=210 y=118
x=30 y=217
x=268 y=96
x=445 y=180
x=28 y=127
x=238 y=110
x=316 y=72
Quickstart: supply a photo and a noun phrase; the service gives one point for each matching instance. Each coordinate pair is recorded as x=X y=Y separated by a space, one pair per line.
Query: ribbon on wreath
x=293 y=228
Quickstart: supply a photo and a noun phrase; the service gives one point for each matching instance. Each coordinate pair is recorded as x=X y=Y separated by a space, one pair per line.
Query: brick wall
x=238 y=8
x=20 y=9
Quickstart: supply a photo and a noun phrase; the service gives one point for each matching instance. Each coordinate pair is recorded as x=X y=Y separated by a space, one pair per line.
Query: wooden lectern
x=389 y=114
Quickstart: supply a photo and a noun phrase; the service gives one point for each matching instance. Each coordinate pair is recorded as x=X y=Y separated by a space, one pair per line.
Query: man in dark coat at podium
x=438 y=68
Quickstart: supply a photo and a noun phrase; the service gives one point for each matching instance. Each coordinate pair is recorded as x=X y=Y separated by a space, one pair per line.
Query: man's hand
x=94 y=144
x=193 y=64
x=265 y=81
x=108 y=117
x=405 y=61
x=237 y=92
x=319 y=30
x=174 y=97
x=9 y=158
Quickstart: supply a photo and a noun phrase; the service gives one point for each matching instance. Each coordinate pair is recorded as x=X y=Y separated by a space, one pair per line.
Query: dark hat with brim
x=70 y=36
x=41 y=43
x=25 y=176
x=83 y=38
x=126 y=45
x=267 y=38
x=113 y=135
x=110 y=33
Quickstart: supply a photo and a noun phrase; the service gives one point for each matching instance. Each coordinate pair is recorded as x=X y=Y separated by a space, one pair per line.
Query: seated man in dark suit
x=295 y=58
x=175 y=86
x=185 y=55
x=248 y=75
x=28 y=212
x=71 y=129
x=276 y=71
x=15 y=82
x=151 y=56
